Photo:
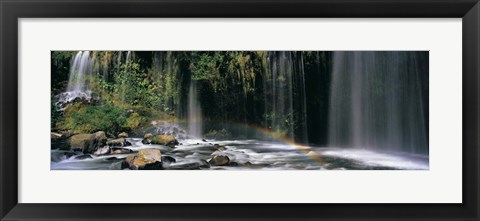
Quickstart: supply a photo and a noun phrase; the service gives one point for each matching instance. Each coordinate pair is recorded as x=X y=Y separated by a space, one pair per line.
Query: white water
x=263 y=155
x=82 y=66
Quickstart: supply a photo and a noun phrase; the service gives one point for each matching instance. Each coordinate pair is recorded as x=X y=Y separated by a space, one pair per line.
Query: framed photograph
x=228 y=110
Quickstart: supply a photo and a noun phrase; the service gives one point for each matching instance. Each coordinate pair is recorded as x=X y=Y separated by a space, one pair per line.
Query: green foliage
x=135 y=120
x=80 y=118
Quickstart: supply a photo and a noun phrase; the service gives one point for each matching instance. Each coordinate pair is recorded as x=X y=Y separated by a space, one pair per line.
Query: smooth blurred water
x=259 y=155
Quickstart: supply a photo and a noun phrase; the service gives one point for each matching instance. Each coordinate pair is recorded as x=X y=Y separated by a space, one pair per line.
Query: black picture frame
x=12 y=10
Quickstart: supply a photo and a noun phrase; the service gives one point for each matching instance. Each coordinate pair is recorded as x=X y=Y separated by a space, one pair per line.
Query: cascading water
x=124 y=83
x=378 y=101
x=284 y=94
x=195 y=125
x=82 y=65
x=80 y=72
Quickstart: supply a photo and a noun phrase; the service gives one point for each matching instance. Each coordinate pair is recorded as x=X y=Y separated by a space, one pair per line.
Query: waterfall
x=284 y=94
x=195 y=127
x=82 y=65
x=378 y=100
x=81 y=72
x=124 y=83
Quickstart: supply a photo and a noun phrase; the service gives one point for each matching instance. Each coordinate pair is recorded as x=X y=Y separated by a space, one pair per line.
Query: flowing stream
x=252 y=155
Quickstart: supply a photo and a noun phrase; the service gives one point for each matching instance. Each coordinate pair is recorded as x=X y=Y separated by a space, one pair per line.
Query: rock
x=147 y=136
x=218 y=147
x=247 y=164
x=167 y=140
x=79 y=141
x=102 y=151
x=122 y=135
x=146 y=159
x=54 y=135
x=120 y=142
x=204 y=140
x=219 y=160
x=146 y=141
x=120 y=151
x=233 y=164
x=87 y=143
x=83 y=157
x=58 y=141
x=57 y=156
x=168 y=160
x=201 y=164
x=100 y=135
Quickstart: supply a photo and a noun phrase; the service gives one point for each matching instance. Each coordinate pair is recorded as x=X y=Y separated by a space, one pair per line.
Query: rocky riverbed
x=164 y=152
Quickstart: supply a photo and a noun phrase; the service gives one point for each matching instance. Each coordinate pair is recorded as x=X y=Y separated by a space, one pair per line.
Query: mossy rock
x=144 y=160
x=219 y=160
x=123 y=135
x=87 y=143
x=167 y=140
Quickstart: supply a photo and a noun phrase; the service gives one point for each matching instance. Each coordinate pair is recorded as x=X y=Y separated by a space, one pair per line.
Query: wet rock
x=218 y=147
x=146 y=141
x=87 y=143
x=120 y=150
x=202 y=164
x=248 y=164
x=102 y=151
x=58 y=141
x=168 y=160
x=204 y=140
x=57 y=156
x=147 y=138
x=219 y=160
x=167 y=140
x=233 y=164
x=83 y=157
x=146 y=159
x=123 y=135
x=79 y=141
x=120 y=142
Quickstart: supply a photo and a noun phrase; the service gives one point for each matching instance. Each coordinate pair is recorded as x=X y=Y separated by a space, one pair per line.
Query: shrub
x=90 y=118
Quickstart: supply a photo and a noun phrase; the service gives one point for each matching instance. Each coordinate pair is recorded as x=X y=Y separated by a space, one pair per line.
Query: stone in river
x=219 y=160
x=146 y=159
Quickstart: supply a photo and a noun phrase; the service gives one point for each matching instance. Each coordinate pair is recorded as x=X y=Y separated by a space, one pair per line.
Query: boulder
x=196 y=165
x=146 y=141
x=79 y=141
x=147 y=138
x=87 y=143
x=58 y=141
x=120 y=151
x=120 y=142
x=168 y=160
x=218 y=147
x=219 y=160
x=83 y=157
x=167 y=140
x=146 y=159
x=123 y=135
x=102 y=151
x=57 y=156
